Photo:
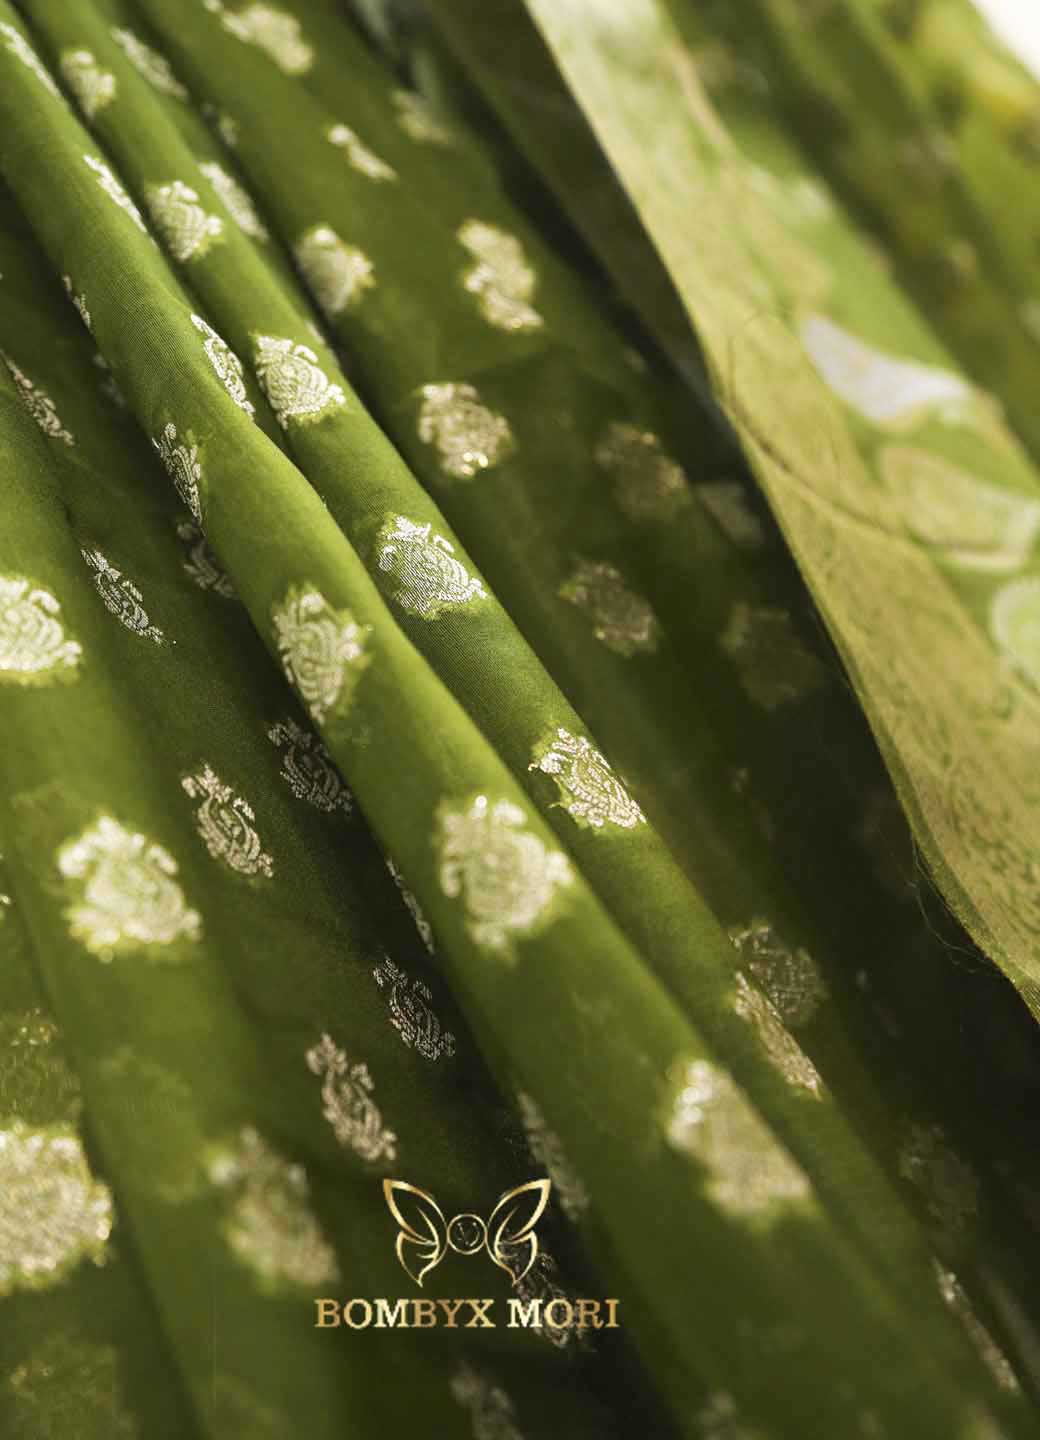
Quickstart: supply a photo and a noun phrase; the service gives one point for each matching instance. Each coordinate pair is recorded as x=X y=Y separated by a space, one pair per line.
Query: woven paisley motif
x=293 y=381
x=34 y=648
x=429 y=579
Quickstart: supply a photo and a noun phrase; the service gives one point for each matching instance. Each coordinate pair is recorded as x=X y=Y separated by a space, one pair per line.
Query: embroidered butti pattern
x=226 y=364
x=125 y=892
x=590 y=792
x=322 y=650
x=620 y=618
x=429 y=579
x=39 y=404
x=269 y=1225
x=237 y=200
x=790 y=979
x=200 y=564
x=361 y=158
x=226 y=824
x=336 y=274
x=1015 y=625
x=490 y=1410
x=79 y=303
x=293 y=381
x=16 y=43
x=469 y=437
x=53 y=1213
x=749 y=1174
x=501 y=279
x=114 y=190
x=346 y=1093
x=418 y=120
x=274 y=31
x=93 y=87
x=547 y=1149
x=780 y=1046
x=773 y=664
x=34 y=647
x=121 y=597
x=308 y=769
x=181 y=220
x=648 y=484
x=410 y=1004
x=505 y=876
x=155 y=68
x=180 y=459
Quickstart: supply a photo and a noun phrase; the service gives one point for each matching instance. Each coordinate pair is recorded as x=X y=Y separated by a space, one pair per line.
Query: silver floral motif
x=182 y=222
x=422 y=925
x=790 y=979
x=128 y=896
x=505 y=875
x=181 y=462
x=274 y=31
x=79 y=303
x=409 y=1001
x=469 y=436
x=947 y=1184
x=34 y=648
x=501 y=279
x=490 y=1409
x=620 y=618
x=1014 y=620
x=114 y=190
x=591 y=792
x=308 y=769
x=226 y=824
x=749 y=1174
x=418 y=120
x=322 y=650
x=568 y=1187
x=237 y=200
x=294 y=382
x=93 y=87
x=38 y=403
x=648 y=483
x=346 y=1093
x=65 y=1378
x=429 y=579
x=226 y=363
x=53 y=1213
x=148 y=62
x=361 y=158
x=270 y=1227
x=16 y=43
x=200 y=562
x=122 y=598
x=726 y=501
x=780 y=1046
x=336 y=274
x=773 y=664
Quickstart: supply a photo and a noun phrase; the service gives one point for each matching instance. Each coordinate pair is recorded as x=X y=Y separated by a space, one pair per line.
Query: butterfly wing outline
x=423 y=1227
x=511 y=1242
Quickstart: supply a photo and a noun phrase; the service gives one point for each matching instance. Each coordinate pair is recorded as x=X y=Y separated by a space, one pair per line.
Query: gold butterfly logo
x=508 y=1236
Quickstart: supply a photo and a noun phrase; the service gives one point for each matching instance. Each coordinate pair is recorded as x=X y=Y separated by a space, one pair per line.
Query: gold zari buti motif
x=39 y=404
x=648 y=484
x=505 y=876
x=346 y=1093
x=409 y=1000
x=779 y=1044
x=336 y=274
x=293 y=381
x=590 y=790
x=200 y=563
x=114 y=190
x=226 y=364
x=180 y=459
x=772 y=662
x=155 y=68
x=748 y=1173
x=18 y=45
x=122 y=598
x=947 y=1184
x=418 y=120
x=237 y=200
x=429 y=579
x=34 y=647
x=53 y=1213
x=274 y=31
x=225 y=823
x=469 y=436
x=93 y=87
x=322 y=650
x=126 y=894
x=790 y=979
x=620 y=618
x=361 y=158
x=308 y=770
x=501 y=279
x=269 y=1225
x=180 y=219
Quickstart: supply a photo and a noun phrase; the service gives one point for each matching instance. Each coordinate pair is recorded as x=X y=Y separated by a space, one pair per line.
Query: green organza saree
x=518 y=661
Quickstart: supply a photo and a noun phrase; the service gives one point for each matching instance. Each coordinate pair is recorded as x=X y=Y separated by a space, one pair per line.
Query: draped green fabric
x=465 y=571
